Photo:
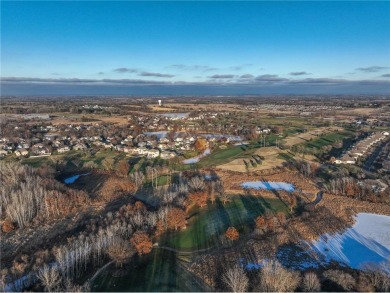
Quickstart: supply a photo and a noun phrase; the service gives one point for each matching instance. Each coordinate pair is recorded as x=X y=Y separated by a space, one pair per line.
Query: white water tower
x=159 y=103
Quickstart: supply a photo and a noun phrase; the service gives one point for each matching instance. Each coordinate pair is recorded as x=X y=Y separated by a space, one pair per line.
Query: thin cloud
x=270 y=78
x=320 y=81
x=267 y=80
x=222 y=76
x=100 y=73
x=30 y=80
x=385 y=75
x=239 y=67
x=247 y=76
x=184 y=67
x=125 y=70
x=371 y=69
x=155 y=74
x=297 y=73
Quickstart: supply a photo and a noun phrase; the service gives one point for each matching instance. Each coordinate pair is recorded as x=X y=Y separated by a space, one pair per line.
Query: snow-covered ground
x=268 y=185
x=72 y=179
x=367 y=242
x=197 y=158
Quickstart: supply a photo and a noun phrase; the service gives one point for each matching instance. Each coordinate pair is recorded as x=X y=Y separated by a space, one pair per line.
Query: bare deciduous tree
x=235 y=279
x=311 y=283
x=120 y=251
x=50 y=277
x=197 y=184
x=343 y=279
x=137 y=178
x=275 y=278
x=123 y=168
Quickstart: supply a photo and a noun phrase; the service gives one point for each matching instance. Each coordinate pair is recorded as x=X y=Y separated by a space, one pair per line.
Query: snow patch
x=366 y=243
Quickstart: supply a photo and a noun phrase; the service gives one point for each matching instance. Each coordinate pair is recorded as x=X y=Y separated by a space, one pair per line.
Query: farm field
x=78 y=119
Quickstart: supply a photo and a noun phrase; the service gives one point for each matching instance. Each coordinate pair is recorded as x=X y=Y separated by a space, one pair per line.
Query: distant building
x=159 y=103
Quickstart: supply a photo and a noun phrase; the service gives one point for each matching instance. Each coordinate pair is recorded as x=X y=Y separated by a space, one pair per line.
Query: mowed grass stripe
x=206 y=225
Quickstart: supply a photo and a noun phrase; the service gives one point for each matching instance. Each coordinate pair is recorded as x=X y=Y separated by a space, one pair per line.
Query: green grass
x=75 y=159
x=285 y=156
x=207 y=225
x=158 y=271
x=293 y=130
x=328 y=139
x=222 y=156
x=34 y=162
x=161 y=181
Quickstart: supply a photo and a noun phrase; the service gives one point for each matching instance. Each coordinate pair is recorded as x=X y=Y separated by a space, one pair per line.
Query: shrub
x=232 y=233
x=199 y=198
x=7 y=226
x=120 y=251
x=141 y=242
x=261 y=222
x=176 y=219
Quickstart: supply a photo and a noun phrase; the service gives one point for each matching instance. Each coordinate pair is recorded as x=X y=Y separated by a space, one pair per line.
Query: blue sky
x=240 y=47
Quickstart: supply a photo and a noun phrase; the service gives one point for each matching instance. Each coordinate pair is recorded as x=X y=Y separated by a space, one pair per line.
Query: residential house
x=63 y=149
x=21 y=152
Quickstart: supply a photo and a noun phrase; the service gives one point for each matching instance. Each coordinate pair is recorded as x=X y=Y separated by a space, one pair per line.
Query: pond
x=72 y=179
x=268 y=185
x=159 y=271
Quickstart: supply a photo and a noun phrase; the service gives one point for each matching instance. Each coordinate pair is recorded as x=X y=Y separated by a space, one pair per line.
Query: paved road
x=318 y=197
x=373 y=156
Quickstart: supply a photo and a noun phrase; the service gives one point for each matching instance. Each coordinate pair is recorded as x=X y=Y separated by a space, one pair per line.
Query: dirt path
x=183 y=252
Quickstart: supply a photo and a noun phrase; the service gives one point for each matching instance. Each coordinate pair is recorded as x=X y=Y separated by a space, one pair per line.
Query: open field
x=160 y=108
x=94 y=118
x=312 y=134
x=206 y=106
x=358 y=111
x=274 y=157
